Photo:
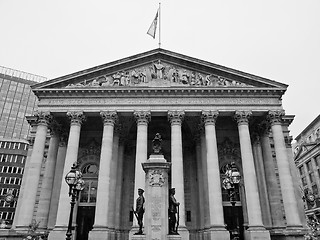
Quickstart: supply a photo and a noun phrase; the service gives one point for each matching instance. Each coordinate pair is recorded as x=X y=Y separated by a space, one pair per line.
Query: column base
x=183 y=232
x=257 y=233
x=59 y=233
x=213 y=233
x=102 y=234
x=174 y=237
x=133 y=234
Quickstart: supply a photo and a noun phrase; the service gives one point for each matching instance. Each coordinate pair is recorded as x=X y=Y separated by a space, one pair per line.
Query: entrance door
x=233 y=217
x=85 y=220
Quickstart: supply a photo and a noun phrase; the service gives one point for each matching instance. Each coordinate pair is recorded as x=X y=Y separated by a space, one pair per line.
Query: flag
x=153 y=27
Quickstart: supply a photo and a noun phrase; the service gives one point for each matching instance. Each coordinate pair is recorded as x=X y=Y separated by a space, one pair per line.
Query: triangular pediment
x=304 y=148
x=159 y=68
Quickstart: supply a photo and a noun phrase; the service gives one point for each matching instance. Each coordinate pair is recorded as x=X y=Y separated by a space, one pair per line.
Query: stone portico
x=208 y=115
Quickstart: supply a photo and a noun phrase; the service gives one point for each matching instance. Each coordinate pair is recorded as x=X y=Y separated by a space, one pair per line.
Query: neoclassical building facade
x=105 y=118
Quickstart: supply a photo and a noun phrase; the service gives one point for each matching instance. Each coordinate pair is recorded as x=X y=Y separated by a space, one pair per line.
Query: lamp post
x=230 y=182
x=76 y=185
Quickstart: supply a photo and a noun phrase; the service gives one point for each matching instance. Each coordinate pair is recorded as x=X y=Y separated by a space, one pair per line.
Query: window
x=315 y=189
x=309 y=166
x=312 y=178
x=301 y=171
x=304 y=181
x=89 y=193
x=317 y=160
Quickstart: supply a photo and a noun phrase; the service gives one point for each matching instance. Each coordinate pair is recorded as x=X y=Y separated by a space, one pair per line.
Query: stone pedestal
x=157 y=197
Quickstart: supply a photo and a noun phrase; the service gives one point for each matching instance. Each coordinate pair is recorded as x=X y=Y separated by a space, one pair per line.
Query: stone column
x=216 y=220
x=256 y=229
x=205 y=203
x=263 y=193
x=271 y=180
x=47 y=181
x=61 y=155
x=63 y=212
x=286 y=182
x=101 y=227
x=113 y=183
x=200 y=215
x=142 y=119
x=119 y=199
x=177 y=176
x=33 y=174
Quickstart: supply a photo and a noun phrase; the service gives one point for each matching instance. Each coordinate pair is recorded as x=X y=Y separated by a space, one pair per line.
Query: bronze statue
x=156 y=142
x=173 y=211
x=140 y=210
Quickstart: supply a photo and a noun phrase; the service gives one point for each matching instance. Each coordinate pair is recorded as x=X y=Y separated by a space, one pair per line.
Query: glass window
x=315 y=189
x=12 y=180
x=312 y=179
x=304 y=181
x=301 y=171
x=317 y=160
x=309 y=166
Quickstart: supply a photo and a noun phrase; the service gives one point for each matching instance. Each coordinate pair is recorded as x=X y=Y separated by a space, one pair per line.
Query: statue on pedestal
x=156 y=142
x=173 y=212
x=139 y=210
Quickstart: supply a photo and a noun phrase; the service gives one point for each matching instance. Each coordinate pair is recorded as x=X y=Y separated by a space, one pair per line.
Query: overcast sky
x=275 y=39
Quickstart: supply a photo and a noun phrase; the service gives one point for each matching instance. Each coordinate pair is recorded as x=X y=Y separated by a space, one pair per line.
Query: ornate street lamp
x=76 y=185
x=230 y=182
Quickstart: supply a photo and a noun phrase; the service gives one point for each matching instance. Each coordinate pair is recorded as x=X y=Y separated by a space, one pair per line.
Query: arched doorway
x=87 y=200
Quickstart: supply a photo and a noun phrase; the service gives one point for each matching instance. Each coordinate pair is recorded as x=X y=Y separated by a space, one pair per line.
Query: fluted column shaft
x=271 y=180
x=47 y=182
x=33 y=172
x=102 y=213
x=286 y=181
x=71 y=157
x=61 y=155
x=216 y=219
x=200 y=215
x=119 y=185
x=113 y=181
x=142 y=119
x=177 y=177
x=249 y=173
x=204 y=176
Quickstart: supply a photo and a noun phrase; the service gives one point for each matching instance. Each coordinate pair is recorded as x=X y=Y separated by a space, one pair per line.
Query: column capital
x=109 y=117
x=43 y=118
x=209 y=117
x=242 y=117
x=176 y=117
x=142 y=117
x=275 y=116
x=76 y=117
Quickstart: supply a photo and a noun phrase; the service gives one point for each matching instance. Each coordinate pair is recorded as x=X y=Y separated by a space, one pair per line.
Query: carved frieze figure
x=159 y=69
x=116 y=79
x=184 y=77
x=173 y=212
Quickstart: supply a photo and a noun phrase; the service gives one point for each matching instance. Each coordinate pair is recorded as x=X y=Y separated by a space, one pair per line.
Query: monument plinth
x=157 y=195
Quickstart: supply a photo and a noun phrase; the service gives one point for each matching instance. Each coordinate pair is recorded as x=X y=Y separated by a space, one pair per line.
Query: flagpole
x=159 y=26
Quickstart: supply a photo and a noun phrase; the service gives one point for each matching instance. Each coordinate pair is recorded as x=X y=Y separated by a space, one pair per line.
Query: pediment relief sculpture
x=158 y=74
